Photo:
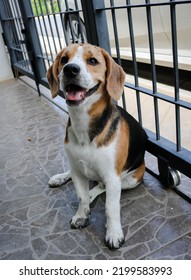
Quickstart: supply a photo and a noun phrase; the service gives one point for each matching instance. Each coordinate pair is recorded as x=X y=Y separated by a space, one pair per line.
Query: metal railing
x=36 y=30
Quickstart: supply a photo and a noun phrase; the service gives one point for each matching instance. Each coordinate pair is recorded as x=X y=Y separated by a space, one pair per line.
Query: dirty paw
x=78 y=223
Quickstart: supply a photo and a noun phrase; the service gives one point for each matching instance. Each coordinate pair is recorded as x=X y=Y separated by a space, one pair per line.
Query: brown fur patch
x=115 y=77
x=103 y=113
x=54 y=70
x=104 y=138
x=122 y=147
x=66 y=140
x=99 y=106
x=139 y=172
x=98 y=72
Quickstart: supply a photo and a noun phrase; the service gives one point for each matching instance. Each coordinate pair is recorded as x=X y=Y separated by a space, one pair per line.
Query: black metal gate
x=35 y=30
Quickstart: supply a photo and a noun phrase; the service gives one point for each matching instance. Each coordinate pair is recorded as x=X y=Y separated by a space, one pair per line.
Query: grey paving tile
x=139 y=208
x=173 y=228
x=63 y=218
x=146 y=232
x=136 y=252
x=85 y=240
x=177 y=206
x=179 y=249
x=22 y=254
x=13 y=205
x=65 y=243
x=12 y=241
x=46 y=220
x=36 y=232
x=39 y=246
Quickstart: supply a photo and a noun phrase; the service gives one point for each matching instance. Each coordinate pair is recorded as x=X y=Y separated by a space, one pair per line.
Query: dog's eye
x=64 y=60
x=92 y=61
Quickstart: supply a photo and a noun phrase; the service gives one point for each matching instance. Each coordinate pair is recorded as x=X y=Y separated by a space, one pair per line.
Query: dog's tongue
x=75 y=93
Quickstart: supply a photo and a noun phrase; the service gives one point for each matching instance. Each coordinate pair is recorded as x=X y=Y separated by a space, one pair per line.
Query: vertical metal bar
x=93 y=20
x=69 y=16
x=18 y=34
x=32 y=42
x=80 y=22
x=7 y=9
x=90 y=23
x=50 y=24
x=8 y=29
x=115 y=32
x=56 y=25
x=153 y=68
x=70 y=21
x=133 y=50
x=117 y=44
x=45 y=28
x=41 y=30
x=63 y=23
x=176 y=72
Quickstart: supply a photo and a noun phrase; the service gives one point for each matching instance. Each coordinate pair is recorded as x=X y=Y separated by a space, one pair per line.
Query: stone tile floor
x=34 y=219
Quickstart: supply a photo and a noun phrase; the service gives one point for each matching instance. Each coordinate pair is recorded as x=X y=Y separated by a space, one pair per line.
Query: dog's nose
x=71 y=70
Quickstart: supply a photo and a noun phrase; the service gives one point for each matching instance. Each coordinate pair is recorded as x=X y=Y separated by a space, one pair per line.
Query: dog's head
x=81 y=70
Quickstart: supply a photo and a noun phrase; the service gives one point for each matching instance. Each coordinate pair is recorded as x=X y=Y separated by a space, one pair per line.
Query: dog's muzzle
x=75 y=94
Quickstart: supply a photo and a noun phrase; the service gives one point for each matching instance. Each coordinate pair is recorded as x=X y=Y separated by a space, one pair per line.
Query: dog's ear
x=53 y=81
x=53 y=75
x=115 y=77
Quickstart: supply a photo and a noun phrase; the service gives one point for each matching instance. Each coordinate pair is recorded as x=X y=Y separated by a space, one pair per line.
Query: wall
x=5 y=69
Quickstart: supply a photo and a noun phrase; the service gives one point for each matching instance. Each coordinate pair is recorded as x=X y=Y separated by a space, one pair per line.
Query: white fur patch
x=59 y=179
x=128 y=181
x=96 y=191
x=85 y=78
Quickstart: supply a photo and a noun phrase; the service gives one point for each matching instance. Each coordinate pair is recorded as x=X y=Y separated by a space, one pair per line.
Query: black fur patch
x=137 y=141
x=98 y=124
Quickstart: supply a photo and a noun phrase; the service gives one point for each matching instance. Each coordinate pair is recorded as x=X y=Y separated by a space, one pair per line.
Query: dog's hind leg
x=59 y=179
x=96 y=191
x=133 y=178
x=128 y=181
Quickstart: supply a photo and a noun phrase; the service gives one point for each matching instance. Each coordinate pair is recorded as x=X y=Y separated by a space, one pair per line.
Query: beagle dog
x=103 y=142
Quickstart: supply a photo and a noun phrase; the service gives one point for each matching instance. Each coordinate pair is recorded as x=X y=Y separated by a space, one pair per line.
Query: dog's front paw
x=114 y=240
x=79 y=222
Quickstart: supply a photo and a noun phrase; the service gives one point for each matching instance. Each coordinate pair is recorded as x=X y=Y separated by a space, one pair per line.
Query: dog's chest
x=83 y=154
x=84 y=158
x=90 y=160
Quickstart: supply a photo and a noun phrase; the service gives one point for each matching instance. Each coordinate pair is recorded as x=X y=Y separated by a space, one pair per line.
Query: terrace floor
x=35 y=219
